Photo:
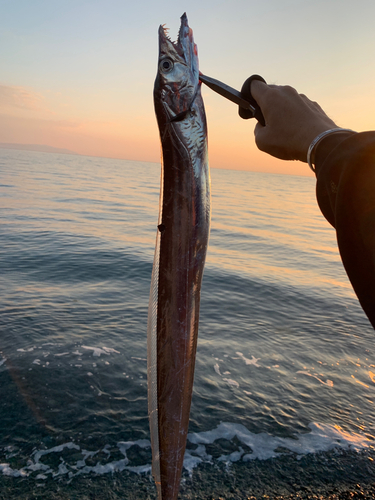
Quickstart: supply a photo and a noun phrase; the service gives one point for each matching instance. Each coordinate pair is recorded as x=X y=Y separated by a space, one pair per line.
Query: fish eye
x=166 y=65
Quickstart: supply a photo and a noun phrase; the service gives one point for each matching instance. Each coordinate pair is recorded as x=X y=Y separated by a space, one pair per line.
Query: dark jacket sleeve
x=345 y=169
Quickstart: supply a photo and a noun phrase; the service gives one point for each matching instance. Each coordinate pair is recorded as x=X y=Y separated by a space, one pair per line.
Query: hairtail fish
x=181 y=245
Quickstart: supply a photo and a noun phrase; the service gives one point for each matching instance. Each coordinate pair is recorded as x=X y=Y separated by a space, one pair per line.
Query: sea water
x=285 y=371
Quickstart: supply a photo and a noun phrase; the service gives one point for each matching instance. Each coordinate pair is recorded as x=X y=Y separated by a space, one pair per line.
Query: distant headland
x=36 y=147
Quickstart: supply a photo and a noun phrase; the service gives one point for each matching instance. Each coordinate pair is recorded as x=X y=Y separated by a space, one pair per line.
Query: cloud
x=19 y=97
x=65 y=123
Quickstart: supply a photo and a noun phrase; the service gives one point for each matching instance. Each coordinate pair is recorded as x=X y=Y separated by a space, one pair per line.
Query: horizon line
x=53 y=149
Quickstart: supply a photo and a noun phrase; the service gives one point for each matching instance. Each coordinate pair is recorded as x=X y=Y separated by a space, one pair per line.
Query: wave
x=262 y=446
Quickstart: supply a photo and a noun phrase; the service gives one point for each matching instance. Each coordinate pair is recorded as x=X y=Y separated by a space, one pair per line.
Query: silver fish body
x=181 y=244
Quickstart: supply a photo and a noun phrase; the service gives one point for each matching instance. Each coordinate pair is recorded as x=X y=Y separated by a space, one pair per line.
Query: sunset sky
x=79 y=74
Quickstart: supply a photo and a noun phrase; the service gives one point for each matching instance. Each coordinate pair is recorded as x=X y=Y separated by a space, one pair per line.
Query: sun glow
x=87 y=90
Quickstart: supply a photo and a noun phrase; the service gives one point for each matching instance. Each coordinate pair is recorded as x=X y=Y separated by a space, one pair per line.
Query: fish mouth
x=184 y=47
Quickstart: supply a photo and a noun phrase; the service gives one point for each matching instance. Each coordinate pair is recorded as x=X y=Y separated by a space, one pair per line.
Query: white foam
x=217 y=369
x=140 y=469
x=8 y=471
x=116 y=465
x=192 y=458
x=55 y=449
x=97 y=351
x=322 y=437
x=3 y=361
x=109 y=349
x=252 y=361
x=80 y=467
x=232 y=457
x=231 y=382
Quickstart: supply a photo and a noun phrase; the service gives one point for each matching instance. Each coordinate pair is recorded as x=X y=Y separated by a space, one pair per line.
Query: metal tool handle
x=246 y=94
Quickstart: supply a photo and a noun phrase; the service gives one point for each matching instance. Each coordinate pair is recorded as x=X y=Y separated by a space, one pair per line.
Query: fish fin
x=152 y=363
x=152 y=367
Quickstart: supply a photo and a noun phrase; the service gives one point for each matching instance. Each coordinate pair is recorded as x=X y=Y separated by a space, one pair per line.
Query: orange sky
x=79 y=77
x=29 y=120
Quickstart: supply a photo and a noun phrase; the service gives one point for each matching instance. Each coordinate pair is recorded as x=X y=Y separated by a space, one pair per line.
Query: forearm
x=345 y=169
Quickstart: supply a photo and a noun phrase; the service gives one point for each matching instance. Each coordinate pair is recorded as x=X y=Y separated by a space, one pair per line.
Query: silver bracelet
x=318 y=138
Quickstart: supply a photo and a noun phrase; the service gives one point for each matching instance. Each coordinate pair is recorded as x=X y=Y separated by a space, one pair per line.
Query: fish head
x=177 y=81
